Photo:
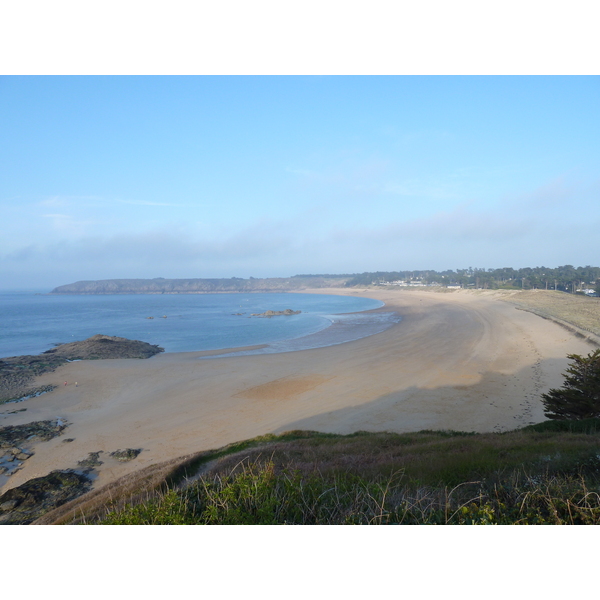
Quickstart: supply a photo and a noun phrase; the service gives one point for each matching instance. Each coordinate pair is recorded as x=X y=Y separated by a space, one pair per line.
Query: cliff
x=198 y=286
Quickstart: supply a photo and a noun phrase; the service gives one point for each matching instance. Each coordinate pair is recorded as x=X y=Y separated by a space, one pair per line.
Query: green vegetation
x=543 y=474
x=579 y=398
x=566 y=278
x=573 y=309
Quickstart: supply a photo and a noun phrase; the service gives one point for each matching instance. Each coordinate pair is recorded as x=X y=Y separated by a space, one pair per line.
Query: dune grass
x=543 y=474
x=581 y=311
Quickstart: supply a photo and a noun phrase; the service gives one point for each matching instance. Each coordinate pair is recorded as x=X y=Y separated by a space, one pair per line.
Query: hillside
x=200 y=286
x=542 y=474
x=581 y=311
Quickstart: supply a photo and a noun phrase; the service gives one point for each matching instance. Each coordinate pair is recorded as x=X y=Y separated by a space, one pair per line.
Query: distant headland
x=566 y=278
x=201 y=286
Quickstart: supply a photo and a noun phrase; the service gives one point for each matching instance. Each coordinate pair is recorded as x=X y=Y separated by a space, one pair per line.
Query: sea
x=33 y=322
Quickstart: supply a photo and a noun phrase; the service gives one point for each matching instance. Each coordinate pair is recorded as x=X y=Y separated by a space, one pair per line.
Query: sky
x=270 y=176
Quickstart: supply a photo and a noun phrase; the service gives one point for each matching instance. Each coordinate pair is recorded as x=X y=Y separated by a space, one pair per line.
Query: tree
x=579 y=398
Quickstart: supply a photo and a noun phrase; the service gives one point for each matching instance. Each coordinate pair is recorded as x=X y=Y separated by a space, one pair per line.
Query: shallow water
x=33 y=323
x=343 y=328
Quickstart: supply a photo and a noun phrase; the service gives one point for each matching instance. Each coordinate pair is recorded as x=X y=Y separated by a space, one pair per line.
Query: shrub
x=579 y=398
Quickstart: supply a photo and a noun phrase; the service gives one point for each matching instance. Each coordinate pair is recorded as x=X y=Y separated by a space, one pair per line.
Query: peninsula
x=18 y=372
x=202 y=286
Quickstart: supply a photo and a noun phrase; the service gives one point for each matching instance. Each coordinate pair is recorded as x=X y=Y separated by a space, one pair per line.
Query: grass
x=257 y=494
x=543 y=474
x=581 y=311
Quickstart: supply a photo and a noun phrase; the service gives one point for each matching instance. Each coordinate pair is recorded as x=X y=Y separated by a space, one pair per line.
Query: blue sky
x=201 y=176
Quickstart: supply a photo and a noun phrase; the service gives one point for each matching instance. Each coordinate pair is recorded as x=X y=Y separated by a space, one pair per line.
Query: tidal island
x=277 y=313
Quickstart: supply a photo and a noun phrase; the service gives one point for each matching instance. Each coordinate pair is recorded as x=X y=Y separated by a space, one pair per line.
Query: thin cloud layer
x=453 y=239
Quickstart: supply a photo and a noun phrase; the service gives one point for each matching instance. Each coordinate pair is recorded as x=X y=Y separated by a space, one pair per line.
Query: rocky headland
x=160 y=285
x=18 y=372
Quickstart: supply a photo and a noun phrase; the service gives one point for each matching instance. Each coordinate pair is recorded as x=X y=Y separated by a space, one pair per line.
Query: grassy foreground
x=543 y=474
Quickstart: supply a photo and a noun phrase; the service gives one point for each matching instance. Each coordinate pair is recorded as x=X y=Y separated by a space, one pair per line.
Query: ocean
x=32 y=323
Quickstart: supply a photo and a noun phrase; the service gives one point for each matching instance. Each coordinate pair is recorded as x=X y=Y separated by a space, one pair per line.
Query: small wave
x=343 y=328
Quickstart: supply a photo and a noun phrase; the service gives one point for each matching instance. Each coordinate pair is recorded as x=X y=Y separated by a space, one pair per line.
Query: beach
x=463 y=361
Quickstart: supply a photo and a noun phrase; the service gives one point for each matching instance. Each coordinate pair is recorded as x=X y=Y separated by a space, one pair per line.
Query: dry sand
x=462 y=360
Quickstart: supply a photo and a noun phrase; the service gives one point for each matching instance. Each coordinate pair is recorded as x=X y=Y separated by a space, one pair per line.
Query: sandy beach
x=463 y=360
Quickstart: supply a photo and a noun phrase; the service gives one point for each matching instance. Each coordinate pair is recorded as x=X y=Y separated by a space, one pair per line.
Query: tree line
x=566 y=278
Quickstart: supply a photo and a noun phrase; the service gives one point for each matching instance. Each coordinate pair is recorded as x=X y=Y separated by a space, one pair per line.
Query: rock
x=67 y=440
x=17 y=372
x=105 y=346
x=41 y=430
x=93 y=460
x=8 y=505
x=29 y=501
x=277 y=313
x=125 y=455
x=22 y=456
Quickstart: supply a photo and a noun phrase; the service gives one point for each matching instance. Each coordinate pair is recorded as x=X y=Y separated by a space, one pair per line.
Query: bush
x=579 y=398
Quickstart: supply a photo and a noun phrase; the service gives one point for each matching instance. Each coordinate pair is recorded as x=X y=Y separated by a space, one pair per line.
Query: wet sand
x=462 y=360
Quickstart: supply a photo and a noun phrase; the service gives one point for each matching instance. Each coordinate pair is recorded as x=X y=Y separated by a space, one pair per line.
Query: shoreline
x=456 y=361
x=224 y=327
x=336 y=333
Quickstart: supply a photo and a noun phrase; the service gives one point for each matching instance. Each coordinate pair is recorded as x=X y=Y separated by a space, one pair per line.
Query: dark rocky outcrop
x=126 y=455
x=104 y=346
x=17 y=372
x=93 y=460
x=23 y=504
x=30 y=432
x=15 y=442
x=277 y=313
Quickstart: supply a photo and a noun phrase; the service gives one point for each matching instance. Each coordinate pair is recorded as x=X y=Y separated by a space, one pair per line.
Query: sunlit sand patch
x=285 y=388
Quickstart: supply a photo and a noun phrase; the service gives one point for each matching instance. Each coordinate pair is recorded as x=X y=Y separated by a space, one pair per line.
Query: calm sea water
x=32 y=323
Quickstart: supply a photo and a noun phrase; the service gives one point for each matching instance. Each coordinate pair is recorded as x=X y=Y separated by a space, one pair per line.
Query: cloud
x=94 y=200
x=65 y=200
x=552 y=195
x=304 y=172
x=61 y=221
x=419 y=189
x=145 y=254
x=345 y=170
x=516 y=232
x=149 y=203
x=459 y=225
